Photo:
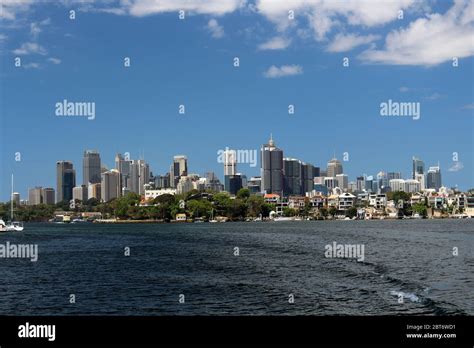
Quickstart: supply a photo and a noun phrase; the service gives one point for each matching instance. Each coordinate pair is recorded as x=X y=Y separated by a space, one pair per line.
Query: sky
x=290 y=53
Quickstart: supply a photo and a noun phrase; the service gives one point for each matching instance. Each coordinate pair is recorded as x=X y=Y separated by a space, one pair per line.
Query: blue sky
x=190 y=62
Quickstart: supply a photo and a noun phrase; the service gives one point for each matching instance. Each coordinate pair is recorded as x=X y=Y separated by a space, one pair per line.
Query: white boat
x=3 y=226
x=283 y=218
x=13 y=225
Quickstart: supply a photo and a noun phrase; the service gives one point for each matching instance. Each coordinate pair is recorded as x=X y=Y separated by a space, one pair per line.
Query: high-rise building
x=65 y=180
x=360 y=183
x=342 y=181
x=178 y=168
x=123 y=166
x=433 y=178
x=369 y=184
x=308 y=172
x=144 y=176
x=293 y=175
x=35 y=196
x=271 y=168
x=255 y=184
x=421 y=179
x=80 y=193
x=185 y=184
x=382 y=182
x=110 y=185
x=412 y=185
x=94 y=191
x=233 y=183
x=397 y=185
x=91 y=167
x=394 y=175
x=48 y=195
x=334 y=168
x=230 y=162
x=418 y=167
x=16 y=198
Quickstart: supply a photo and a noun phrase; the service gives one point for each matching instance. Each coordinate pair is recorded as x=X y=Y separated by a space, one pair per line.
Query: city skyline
x=66 y=171
x=183 y=93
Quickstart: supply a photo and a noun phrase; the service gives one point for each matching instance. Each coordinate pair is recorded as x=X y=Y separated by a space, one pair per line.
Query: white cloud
x=216 y=30
x=323 y=15
x=468 y=107
x=284 y=70
x=30 y=48
x=404 y=89
x=343 y=43
x=140 y=8
x=276 y=43
x=456 y=167
x=429 y=41
x=11 y=8
x=35 y=27
x=54 y=60
x=434 y=96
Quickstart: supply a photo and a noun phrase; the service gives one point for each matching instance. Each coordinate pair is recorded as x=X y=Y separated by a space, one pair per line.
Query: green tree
x=243 y=193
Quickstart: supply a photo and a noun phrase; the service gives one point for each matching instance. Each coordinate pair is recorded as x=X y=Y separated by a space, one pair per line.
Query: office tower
x=110 y=185
x=244 y=180
x=91 y=167
x=421 y=179
x=230 y=162
x=394 y=175
x=418 y=167
x=369 y=184
x=433 y=178
x=360 y=183
x=144 y=176
x=161 y=181
x=334 y=168
x=382 y=182
x=94 y=191
x=185 y=184
x=230 y=170
x=123 y=166
x=80 y=193
x=342 y=181
x=293 y=173
x=255 y=184
x=330 y=182
x=65 y=180
x=212 y=182
x=34 y=196
x=271 y=168
x=233 y=183
x=308 y=173
x=48 y=195
x=16 y=198
x=397 y=185
x=178 y=168
x=134 y=176
x=412 y=185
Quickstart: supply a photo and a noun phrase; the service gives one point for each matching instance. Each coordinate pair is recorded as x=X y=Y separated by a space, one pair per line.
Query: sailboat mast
x=11 y=201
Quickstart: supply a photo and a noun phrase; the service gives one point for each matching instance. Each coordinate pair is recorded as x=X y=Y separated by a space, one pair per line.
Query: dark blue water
x=413 y=258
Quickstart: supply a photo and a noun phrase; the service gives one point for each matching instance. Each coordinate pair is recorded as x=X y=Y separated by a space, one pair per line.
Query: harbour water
x=409 y=267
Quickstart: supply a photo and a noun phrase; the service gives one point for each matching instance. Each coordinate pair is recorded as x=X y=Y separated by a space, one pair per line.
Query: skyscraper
x=35 y=196
x=65 y=180
x=91 y=167
x=433 y=178
x=144 y=176
x=334 y=168
x=293 y=174
x=123 y=166
x=418 y=167
x=110 y=185
x=48 y=195
x=178 y=168
x=272 y=168
x=232 y=182
x=309 y=172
